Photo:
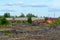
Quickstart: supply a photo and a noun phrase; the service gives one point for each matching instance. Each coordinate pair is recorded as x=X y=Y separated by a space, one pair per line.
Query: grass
x=7 y=33
x=33 y=28
x=5 y=28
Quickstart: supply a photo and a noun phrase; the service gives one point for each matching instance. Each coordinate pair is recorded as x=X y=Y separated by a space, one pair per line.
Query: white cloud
x=54 y=4
x=41 y=4
x=10 y=3
x=19 y=2
x=8 y=9
x=51 y=4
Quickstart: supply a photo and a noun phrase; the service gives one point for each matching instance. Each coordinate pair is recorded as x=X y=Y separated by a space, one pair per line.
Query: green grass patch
x=7 y=33
x=33 y=28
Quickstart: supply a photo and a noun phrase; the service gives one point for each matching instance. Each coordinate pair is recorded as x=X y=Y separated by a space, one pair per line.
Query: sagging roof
x=24 y=18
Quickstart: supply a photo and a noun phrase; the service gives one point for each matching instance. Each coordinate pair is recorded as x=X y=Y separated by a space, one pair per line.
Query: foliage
x=26 y=22
x=6 y=14
x=3 y=21
x=46 y=18
x=30 y=15
x=29 y=20
x=1 y=16
x=34 y=28
x=8 y=33
x=57 y=22
x=22 y=15
x=54 y=24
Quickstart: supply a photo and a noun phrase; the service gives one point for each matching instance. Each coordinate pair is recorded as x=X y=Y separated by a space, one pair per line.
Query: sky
x=50 y=8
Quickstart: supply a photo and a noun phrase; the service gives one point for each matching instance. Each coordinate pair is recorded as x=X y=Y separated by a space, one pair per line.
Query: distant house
x=21 y=19
x=16 y=19
x=10 y=19
x=38 y=20
x=51 y=20
x=25 y=19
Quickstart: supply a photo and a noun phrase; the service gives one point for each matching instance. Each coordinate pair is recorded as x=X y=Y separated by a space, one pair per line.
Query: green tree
x=29 y=20
x=22 y=15
x=6 y=14
x=46 y=18
x=30 y=15
x=3 y=21
x=56 y=23
x=1 y=16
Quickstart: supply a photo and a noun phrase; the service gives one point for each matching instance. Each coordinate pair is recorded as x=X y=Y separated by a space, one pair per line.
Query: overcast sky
x=37 y=7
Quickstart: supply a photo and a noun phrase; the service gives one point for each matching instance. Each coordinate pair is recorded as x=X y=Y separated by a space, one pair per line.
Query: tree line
x=7 y=15
x=4 y=21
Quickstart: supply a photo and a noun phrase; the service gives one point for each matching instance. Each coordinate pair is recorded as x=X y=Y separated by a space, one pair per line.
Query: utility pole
x=48 y=15
x=54 y=14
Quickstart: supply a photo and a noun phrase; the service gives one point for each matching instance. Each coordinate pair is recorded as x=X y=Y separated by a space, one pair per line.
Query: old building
x=51 y=20
x=24 y=19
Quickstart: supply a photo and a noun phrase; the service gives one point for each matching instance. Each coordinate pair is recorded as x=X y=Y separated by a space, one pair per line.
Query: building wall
x=24 y=19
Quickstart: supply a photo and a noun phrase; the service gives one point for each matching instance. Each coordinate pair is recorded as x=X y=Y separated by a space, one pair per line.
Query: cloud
x=23 y=4
x=53 y=10
x=50 y=4
x=19 y=2
x=35 y=5
x=54 y=4
x=7 y=10
x=11 y=3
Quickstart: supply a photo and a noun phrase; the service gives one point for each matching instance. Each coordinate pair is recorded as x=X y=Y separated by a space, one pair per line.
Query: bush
x=29 y=20
x=6 y=14
x=30 y=15
x=56 y=23
x=22 y=15
x=7 y=33
x=3 y=21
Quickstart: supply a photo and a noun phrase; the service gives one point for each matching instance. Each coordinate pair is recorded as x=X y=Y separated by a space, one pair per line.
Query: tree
x=3 y=21
x=56 y=23
x=29 y=20
x=30 y=15
x=6 y=14
x=1 y=16
x=22 y=15
x=46 y=18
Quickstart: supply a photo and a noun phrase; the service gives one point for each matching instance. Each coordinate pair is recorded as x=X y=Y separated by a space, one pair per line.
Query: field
x=29 y=32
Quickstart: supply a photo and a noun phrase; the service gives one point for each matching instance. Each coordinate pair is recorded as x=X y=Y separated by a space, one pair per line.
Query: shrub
x=54 y=24
x=6 y=14
x=3 y=21
x=29 y=20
